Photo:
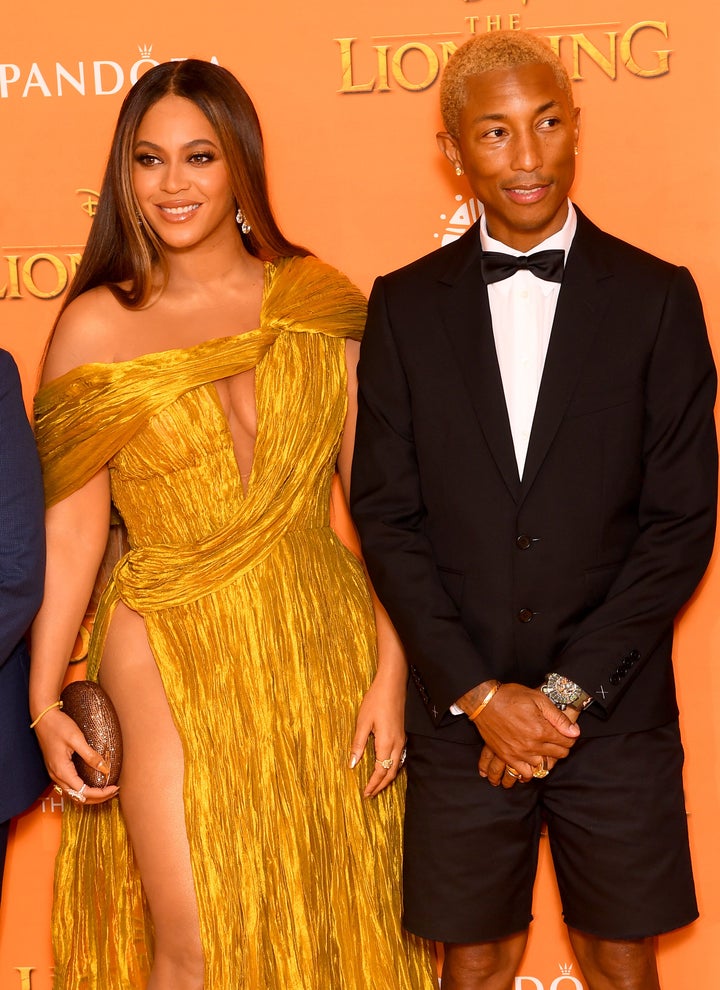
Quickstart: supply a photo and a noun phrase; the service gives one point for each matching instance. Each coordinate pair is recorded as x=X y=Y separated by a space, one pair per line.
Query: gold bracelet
x=55 y=704
x=486 y=700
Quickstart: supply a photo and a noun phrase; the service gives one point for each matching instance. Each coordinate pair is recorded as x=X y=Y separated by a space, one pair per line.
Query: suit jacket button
x=525 y=615
x=523 y=542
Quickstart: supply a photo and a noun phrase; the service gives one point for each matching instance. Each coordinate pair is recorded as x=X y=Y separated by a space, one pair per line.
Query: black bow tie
x=547 y=265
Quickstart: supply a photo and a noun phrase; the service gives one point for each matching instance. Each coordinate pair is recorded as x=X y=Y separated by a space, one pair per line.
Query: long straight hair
x=119 y=248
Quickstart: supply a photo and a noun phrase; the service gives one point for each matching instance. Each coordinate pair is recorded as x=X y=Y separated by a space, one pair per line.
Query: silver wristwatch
x=565 y=693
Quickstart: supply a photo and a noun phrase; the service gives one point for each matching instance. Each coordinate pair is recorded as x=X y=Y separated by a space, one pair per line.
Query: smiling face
x=516 y=142
x=179 y=176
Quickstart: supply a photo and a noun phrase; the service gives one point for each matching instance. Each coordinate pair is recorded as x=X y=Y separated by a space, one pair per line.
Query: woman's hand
x=382 y=712
x=59 y=738
x=381 y=715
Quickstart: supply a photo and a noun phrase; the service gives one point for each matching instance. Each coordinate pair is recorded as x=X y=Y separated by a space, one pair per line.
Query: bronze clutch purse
x=89 y=706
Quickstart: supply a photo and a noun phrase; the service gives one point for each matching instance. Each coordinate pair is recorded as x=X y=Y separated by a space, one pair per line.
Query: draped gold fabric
x=262 y=630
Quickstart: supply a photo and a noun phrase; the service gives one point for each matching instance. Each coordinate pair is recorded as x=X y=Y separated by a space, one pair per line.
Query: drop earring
x=138 y=214
x=577 y=150
x=458 y=170
x=242 y=222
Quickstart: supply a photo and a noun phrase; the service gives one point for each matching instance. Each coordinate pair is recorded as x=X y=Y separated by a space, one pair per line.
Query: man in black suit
x=535 y=488
x=22 y=569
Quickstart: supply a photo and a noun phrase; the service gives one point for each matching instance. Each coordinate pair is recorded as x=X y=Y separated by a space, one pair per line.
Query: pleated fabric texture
x=262 y=629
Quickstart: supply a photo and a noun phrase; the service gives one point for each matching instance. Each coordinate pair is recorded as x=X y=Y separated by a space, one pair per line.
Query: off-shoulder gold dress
x=262 y=629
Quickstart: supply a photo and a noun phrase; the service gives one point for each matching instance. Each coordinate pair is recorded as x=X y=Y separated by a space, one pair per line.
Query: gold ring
x=57 y=789
x=541 y=770
x=386 y=764
x=512 y=772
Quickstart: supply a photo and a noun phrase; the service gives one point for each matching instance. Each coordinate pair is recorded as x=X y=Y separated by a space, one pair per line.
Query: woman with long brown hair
x=201 y=378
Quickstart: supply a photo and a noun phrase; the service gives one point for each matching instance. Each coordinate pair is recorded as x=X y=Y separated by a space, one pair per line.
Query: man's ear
x=449 y=147
x=576 y=123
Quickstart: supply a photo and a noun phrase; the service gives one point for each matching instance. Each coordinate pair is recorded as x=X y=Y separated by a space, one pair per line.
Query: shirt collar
x=561 y=240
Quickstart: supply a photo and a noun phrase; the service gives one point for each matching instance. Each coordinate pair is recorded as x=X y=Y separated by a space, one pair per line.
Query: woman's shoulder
x=306 y=294
x=314 y=280
x=309 y=267
x=87 y=332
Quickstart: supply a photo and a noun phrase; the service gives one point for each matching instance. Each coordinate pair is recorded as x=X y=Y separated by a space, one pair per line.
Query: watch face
x=561 y=690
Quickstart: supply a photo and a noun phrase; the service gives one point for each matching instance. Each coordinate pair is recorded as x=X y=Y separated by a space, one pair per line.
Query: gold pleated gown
x=262 y=629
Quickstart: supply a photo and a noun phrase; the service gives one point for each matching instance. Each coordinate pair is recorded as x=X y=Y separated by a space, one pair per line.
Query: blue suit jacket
x=22 y=569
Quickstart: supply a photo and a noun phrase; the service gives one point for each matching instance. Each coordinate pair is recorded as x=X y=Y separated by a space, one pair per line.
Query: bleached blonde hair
x=493 y=50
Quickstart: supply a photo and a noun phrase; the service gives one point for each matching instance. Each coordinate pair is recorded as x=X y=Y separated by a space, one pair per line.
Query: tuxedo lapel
x=581 y=306
x=465 y=314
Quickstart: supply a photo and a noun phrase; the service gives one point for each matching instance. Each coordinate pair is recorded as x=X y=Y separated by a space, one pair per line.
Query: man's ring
x=57 y=789
x=386 y=764
x=512 y=772
x=541 y=770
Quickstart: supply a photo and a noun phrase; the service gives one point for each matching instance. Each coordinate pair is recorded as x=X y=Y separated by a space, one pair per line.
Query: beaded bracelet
x=486 y=700
x=55 y=704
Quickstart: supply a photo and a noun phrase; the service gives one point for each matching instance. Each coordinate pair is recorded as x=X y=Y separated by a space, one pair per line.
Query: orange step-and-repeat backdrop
x=347 y=93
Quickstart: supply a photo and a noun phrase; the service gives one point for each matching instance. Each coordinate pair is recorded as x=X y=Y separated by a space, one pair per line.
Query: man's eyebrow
x=504 y=116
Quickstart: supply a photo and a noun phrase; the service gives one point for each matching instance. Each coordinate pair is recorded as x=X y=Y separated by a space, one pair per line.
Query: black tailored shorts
x=616 y=823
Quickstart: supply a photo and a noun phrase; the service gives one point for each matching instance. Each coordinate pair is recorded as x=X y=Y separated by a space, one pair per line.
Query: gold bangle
x=486 y=700
x=55 y=704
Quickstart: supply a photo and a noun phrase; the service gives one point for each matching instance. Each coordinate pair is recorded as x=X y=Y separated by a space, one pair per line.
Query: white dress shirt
x=522 y=309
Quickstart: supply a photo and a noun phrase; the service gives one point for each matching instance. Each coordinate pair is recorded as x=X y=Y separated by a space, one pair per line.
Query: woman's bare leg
x=151 y=797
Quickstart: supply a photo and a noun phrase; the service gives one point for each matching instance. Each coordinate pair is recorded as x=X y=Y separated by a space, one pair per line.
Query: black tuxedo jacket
x=580 y=567
x=22 y=571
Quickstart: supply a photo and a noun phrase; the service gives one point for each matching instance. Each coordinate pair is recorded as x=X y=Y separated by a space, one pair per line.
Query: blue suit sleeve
x=22 y=528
